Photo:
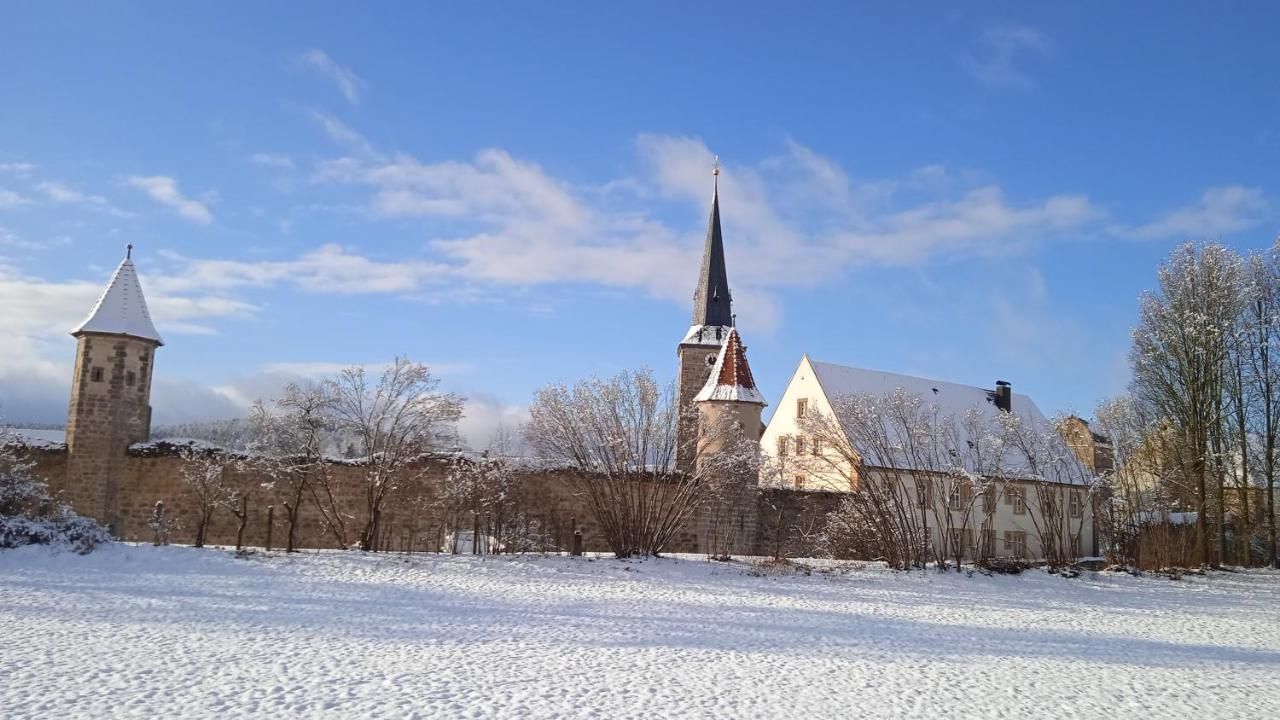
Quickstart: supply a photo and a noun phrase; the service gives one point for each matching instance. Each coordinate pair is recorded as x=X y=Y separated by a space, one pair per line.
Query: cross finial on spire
x=715 y=167
x=128 y=251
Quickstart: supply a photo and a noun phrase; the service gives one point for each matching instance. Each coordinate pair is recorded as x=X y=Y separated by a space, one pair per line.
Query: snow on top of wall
x=121 y=309
x=35 y=438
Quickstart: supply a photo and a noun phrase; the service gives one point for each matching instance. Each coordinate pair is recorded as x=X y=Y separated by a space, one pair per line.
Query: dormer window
x=96 y=374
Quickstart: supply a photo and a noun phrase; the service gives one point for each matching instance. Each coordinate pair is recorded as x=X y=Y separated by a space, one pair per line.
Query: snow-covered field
x=137 y=631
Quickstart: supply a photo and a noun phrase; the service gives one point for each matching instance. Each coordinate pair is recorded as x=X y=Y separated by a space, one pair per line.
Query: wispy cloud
x=164 y=190
x=64 y=194
x=1219 y=211
x=16 y=168
x=327 y=269
x=1000 y=50
x=341 y=133
x=10 y=199
x=347 y=82
x=271 y=160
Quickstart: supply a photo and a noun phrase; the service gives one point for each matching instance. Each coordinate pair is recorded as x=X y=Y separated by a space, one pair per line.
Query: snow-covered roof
x=950 y=398
x=710 y=335
x=121 y=309
x=731 y=376
x=953 y=399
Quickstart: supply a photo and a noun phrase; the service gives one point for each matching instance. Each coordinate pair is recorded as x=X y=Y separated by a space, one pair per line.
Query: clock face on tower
x=711 y=359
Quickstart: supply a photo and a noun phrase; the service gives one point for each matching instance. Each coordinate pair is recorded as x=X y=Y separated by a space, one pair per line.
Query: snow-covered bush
x=30 y=516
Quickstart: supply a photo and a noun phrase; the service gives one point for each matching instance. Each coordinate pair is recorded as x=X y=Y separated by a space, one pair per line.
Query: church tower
x=110 y=394
x=712 y=321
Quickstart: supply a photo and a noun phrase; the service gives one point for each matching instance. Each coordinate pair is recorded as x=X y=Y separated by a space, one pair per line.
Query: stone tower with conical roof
x=110 y=394
x=712 y=320
x=729 y=429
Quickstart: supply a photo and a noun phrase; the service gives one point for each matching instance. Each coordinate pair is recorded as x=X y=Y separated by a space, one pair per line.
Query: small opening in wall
x=129 y=378
x=95 y=374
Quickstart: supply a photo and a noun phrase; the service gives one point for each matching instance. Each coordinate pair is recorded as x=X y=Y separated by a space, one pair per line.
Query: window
x=129 y=378
x=782 y=447
x=989 y=499
x=799 y=482
x=799 y=446
x=1075 y=504
x=817 y=446
x=802 y=407
x=95 y=374
x=1015 y=543
x=1017 y=497
x=954 y=501
x=922 y=493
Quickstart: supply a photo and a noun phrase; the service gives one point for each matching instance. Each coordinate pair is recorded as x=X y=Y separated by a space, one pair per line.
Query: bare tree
x=395 y=420
x=619 y=434
x=288 y=446
x=1062 y=485
x=1263 y=377
x=1179 y=356
x=204 y=474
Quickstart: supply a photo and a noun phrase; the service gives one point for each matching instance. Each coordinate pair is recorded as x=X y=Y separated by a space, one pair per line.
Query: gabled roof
x=712 y=303
x=122 y=309
x=953 y=399
x=730 y=378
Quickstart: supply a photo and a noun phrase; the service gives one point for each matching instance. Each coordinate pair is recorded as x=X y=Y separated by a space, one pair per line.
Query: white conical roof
x=122 y=309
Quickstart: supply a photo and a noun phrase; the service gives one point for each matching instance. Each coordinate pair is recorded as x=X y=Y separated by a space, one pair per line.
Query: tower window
x=802 y=407
x=95 y=374
x=129 y=378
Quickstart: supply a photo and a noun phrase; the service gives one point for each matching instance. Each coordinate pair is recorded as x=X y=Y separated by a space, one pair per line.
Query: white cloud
x=272 y=160
x=1219 y=211
x=327 y=269
x=341 y=133
x=1000 y=47
x=348 y=83
x=10 y=200
x=164 y=190
x=64 y=194
x=16 y=168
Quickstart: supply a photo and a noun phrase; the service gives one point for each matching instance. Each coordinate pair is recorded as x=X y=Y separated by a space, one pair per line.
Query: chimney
x=1004 y=396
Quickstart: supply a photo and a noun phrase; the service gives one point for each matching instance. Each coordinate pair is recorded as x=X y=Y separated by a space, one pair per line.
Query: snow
x=736 y=385
x=950 y=398
x=39 y=438
x=121 y=308
x=709 y=335
x=139 y=631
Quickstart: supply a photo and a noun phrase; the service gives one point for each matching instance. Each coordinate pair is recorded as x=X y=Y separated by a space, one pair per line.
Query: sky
x=517 y=193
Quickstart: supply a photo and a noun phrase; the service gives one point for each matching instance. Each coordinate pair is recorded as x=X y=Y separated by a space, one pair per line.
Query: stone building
x=110 y=394
x=109 y=471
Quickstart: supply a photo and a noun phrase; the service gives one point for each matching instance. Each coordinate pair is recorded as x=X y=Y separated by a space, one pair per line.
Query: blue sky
x=517 y=193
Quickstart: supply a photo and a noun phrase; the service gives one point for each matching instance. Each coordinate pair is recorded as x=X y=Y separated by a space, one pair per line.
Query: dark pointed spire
x=712 y=304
